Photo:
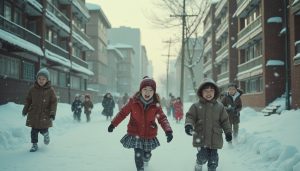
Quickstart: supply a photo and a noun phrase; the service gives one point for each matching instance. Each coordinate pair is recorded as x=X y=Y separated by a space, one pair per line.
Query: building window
x=53 y=76
x=75 y=82
x=62 y=77
x=18 y=16
x=10 y=67
x=7 y=11
x=253 y=85
x=28 y=71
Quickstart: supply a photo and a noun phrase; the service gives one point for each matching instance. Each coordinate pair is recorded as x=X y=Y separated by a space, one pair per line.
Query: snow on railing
x=274 y=20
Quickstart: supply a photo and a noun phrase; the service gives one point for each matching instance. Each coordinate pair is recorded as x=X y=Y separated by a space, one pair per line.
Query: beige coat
x=40 y=104
x=209 y=119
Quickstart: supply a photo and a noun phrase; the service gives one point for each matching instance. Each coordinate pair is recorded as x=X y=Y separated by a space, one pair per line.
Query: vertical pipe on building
x=43 y=34
x=287 y=61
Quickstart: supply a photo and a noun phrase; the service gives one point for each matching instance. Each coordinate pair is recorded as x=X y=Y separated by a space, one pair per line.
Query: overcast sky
x=136 y=13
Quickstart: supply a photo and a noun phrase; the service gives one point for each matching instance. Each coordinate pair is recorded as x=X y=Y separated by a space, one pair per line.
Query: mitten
x=111 y=127
x=52 y=117
x=169 y=135
x=228 y=136
x=189 y=129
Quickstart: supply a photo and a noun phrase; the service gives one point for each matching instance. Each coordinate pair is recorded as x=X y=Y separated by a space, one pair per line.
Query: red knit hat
x=148 y=82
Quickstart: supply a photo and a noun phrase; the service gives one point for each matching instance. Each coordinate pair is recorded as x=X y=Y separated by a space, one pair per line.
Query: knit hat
x=43 y=72
x=148 y=82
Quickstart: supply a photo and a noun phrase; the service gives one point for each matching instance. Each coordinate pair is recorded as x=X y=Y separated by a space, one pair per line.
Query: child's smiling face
x=42 y=80
x=147 y=92
x=208 y=93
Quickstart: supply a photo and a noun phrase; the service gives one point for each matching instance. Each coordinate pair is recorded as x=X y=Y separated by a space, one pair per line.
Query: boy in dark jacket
x=205 y=121
x=233 y=105
x=76 y=108
x=88 y=106
x=40 y=108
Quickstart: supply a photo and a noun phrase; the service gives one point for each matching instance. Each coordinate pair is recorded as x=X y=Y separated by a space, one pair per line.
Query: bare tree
x=193 y=24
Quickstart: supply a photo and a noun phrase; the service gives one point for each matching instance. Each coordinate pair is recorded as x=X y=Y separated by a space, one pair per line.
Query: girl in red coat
x=144 y=109
x=178 y=107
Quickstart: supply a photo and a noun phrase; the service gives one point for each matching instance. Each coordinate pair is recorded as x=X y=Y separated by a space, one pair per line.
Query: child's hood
x=204 y=83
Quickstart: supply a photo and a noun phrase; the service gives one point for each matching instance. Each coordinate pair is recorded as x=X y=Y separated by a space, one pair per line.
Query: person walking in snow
x=40 y=108
x=108 y=104
x=178 y=108
x=88 y=106
x=233 y=105
x=144 y=109
x=76 y=108
x=205 y=121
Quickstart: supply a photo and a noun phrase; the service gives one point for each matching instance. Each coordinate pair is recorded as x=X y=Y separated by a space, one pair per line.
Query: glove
x=169 y=135
x=189 y=129
x=228 y=136
x=52 y=117
x=111 y=127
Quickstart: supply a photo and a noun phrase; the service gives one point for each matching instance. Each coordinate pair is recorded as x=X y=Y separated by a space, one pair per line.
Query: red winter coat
x=178 y=107
x=142 y=123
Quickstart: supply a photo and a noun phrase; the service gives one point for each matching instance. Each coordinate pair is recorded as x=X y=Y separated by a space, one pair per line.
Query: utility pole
x=183 y=17
x=168 y=63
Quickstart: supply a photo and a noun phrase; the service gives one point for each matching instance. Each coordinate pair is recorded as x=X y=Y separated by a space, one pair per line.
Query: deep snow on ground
x=264 y=144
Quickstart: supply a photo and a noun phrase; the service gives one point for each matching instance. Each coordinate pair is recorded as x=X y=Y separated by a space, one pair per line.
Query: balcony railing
x=79 y=61
x=81 y=7
x=56 y=49
x=80 y=33
x=220 y=6
x=207 y=27
x=221 y=29
x=222 y=49
x=223 y=75
x=19 y=31
x=250 y=27
x=58 y=13
x=250 y=64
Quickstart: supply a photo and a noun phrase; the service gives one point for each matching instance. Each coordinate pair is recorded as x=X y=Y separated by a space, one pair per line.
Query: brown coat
x=88 y=106
x=233 y=106
x=209 y=119
x=40 y=104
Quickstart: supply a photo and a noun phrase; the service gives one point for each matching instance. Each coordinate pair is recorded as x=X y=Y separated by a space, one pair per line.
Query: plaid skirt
x=130 y=141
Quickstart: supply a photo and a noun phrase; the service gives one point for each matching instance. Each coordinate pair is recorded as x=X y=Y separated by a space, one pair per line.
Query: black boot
x=34 y=147
x=46 y=138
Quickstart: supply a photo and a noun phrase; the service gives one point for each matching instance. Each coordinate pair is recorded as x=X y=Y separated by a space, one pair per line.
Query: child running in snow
x=205 y=121
x=178 y=107
x=233 y=105
x=88 y=106
x=144 y=108
x=76 y=108
x=40 y=108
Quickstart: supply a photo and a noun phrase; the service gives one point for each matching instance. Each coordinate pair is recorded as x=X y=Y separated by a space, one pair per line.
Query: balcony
x=249 y=32
x=223 y=77
x=79 y=61
x=247 y=66
x=80 y=8
x=56 y=49
x=207 y=46
x=20 y=32
x=222 y=53
x=207 y=66
x=220 y=7
x=295 y=7
x=222 y=29
x=207 y=29
x=61 y=16
x=244 y=6
x=80 y=33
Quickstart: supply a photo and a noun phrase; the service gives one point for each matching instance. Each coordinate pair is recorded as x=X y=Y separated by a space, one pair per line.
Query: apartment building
x=43 y=33
x=98 y=60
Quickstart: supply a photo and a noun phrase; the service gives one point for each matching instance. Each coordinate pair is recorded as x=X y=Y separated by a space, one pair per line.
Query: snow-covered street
x=265 y=144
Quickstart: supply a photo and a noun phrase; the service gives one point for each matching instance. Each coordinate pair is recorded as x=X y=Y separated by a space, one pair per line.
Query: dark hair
x=232 y=85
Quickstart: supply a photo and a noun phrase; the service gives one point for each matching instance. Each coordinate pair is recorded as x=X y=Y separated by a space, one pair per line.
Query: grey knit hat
x=43 y=72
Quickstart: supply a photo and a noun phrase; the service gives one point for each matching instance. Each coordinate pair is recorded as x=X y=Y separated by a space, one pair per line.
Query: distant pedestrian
x=40 y=108
x=88 y=106
x=76 y=108
x=178 y=108
x=108 y=104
